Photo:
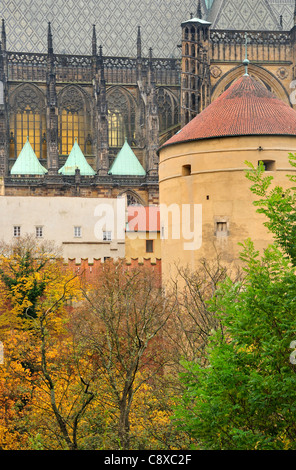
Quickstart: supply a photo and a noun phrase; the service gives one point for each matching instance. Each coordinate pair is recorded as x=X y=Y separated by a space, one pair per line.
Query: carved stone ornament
x=282 y=73
x=216 y=72
x=27 y=96
x=72 y=100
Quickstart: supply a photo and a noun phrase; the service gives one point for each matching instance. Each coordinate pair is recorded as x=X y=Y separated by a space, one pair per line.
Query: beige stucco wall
x=135 y=245
x=218 y=183
x=59 y=215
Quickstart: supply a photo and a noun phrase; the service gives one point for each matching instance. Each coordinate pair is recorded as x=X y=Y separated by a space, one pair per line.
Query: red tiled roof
x=246 y=108
x=143 y=219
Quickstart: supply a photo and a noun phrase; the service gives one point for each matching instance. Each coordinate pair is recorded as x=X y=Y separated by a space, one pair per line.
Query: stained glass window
x=28 y=119
x=74 y=120
x=71 y=127
x=116 y=129
x=121 y=117
x=168 y=109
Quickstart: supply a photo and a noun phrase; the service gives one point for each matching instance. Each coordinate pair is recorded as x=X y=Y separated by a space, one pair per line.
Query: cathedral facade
x=136 y=76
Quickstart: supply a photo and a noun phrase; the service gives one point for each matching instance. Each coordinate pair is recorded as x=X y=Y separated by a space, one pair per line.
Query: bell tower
x=195 y=74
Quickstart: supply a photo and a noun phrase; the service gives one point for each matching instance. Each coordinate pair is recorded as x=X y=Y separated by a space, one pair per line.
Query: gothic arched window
x=168 y=109
x=74 y=119
x=132 y=199
x=116 y=128
x=121 y=118
x=28 y=119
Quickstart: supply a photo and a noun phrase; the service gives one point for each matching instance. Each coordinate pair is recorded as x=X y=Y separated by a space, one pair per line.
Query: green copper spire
x=27 y=162
x=76 y=160
x=126 y=163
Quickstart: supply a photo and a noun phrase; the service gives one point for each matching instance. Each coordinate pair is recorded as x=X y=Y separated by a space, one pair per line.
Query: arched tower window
x=74 y=119
x=121 y=118
x=28 y=119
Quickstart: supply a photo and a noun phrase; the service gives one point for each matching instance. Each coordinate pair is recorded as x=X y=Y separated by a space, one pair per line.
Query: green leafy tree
x=278 y=205
x=245 y=398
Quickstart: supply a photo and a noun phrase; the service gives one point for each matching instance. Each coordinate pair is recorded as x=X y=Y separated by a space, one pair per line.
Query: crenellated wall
x=90 y=271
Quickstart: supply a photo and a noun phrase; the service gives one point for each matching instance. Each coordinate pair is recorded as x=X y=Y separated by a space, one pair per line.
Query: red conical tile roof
x=246 y=108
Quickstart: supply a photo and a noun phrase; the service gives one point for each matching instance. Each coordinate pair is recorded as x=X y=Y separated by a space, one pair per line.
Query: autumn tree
x=192 y=322
x=36 y=293
x=121 y=327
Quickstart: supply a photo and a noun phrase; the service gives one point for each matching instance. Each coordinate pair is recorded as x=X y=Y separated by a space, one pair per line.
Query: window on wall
x=39 y=232
x=77 y=232
x=72 y=126
x=221 y=228
x=17 y=231
x=168 y=109
x=28 y=125
x=186 y=170
x=121 y=118
x=269 y=165
x=27 y=120
x=107 y=236
x=74 y=120
x=149 y=246
x=116 y=129
x=132 y=200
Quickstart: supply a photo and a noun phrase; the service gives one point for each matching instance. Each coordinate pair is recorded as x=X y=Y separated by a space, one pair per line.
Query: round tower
x=202 y=174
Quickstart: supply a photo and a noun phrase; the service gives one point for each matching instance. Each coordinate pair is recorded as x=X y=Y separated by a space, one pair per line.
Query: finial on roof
x=3 y=35
x=49 y=39
x=246 y=62
x=199 y=13
x=139 y=43
x=94 y=41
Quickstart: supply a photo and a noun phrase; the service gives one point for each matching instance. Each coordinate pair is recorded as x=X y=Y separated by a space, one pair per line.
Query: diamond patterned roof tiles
x=251 y=15
x=246 y=108
x=117 y=23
